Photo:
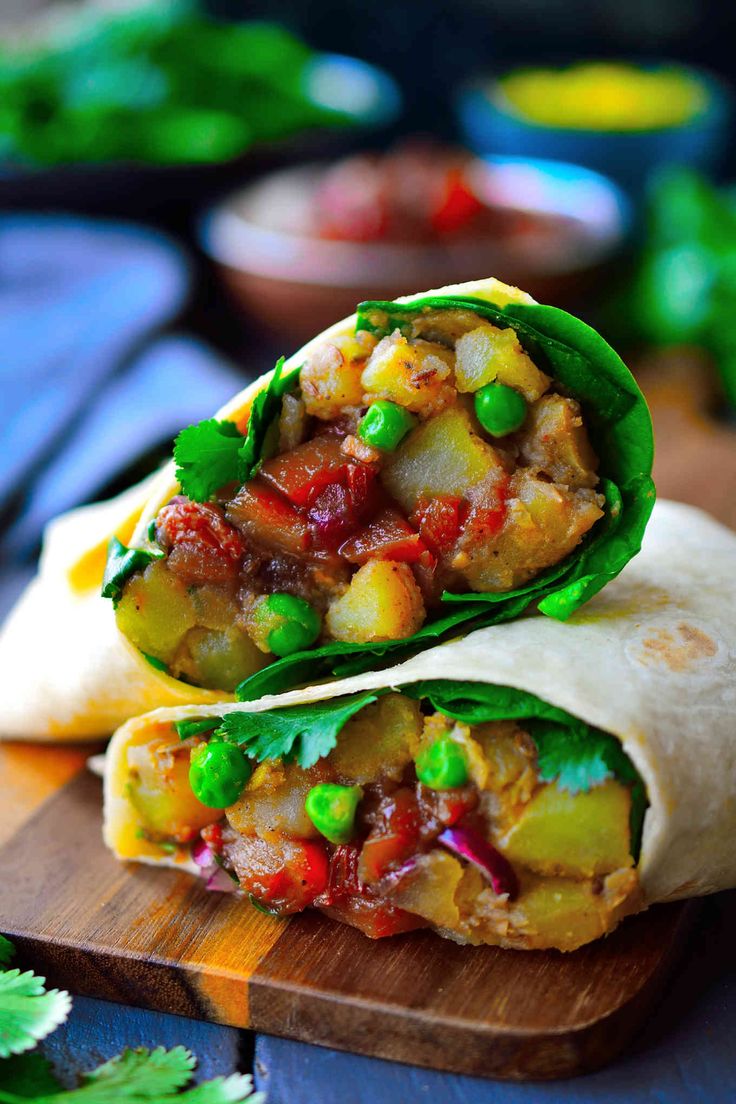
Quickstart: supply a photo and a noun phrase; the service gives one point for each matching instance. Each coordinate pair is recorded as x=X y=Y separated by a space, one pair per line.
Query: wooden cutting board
x=154 y=938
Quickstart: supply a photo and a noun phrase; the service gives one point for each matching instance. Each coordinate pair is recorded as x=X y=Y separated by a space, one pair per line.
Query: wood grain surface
x=156 y=939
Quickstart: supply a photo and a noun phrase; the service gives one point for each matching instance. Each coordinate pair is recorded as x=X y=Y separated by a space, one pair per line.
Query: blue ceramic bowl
x=630 y=157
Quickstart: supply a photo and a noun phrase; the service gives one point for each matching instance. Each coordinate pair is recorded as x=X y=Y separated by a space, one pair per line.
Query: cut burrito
x=528 y=786
x=426 y=467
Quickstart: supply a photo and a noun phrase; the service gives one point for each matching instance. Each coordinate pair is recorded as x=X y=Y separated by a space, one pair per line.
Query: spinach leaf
x=122 y=562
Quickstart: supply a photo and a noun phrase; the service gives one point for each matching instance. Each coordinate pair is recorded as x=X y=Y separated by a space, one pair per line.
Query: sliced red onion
x=220 y=882
x=471 y=846
x=202 y=854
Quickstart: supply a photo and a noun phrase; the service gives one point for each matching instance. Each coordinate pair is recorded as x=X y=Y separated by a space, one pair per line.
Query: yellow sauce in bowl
x=607 y=96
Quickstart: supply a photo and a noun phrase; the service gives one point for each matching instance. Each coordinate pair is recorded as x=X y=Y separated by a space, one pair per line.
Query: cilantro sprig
x=302 y=732
x=28 y=1013
x=213 y=453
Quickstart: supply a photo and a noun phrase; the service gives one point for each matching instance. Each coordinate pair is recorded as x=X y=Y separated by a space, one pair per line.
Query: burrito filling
x=390 y=814
x=435 y=458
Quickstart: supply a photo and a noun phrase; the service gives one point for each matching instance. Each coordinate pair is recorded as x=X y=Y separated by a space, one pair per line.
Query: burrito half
x=528 y=786
x=424 y=468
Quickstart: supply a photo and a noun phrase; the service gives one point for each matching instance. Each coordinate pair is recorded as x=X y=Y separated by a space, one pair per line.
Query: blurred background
x=189 y=189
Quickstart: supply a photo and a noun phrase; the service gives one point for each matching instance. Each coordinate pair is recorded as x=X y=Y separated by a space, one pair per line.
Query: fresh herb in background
x=28 y=1013
x=159 y=82
x=684 y=288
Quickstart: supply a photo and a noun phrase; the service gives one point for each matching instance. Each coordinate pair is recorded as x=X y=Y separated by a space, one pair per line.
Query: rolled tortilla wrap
x=416 y=571
x=66 y=673
x=568 y=732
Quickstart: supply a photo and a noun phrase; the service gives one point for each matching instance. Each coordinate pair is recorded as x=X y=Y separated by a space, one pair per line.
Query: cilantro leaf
x=212 y=453
x=138 y=1076
x=576 y=757
x=121 y=563
x=28 y=1012
x=144 y=1074
x=7 y=951
x=206 y=457
x=265 y=407
x=304 y=732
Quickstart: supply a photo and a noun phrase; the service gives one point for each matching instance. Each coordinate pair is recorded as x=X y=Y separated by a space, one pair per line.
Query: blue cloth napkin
x=88 y=382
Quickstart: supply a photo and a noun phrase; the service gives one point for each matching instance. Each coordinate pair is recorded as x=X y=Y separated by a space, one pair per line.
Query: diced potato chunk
x=554 y=440
x=489 y=355
x=379 y=742
x=561 y=913
x=216 y=659
x=417 y=375
x=544 y=523
x=156 y=611
x=429 y=889
x=383 y=602
x=581 y=835
x=331 y=378
x=441 y=457
x=158 y=789
x=277 y=804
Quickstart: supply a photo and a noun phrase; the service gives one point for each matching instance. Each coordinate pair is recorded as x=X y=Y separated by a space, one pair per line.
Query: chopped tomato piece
x=394 y=837
x=302 y=474
x=202 y=546
x=440 y=521
x=268 y=519
x=349 y=900
x=373 y=917
x=387 y=537
x=483 y=524
x=284 y=875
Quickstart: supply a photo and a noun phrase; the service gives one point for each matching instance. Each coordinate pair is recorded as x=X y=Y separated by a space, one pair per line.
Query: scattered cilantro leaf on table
x=28 y=1012
x=7 y=950
x=136 y=1077
x=302 y=732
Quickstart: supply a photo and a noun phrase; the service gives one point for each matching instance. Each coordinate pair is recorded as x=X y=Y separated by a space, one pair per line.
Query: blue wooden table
x=686 y=1054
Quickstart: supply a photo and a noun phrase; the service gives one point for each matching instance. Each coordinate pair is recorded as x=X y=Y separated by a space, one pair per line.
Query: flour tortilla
x=651 y=659
x=66 y=671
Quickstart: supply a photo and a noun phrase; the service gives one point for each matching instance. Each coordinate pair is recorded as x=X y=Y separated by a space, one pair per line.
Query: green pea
x=500 y=409
x=442 y=765
x=287 y=624
x=331 y=809
x=217 y=773
x=385 y=425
